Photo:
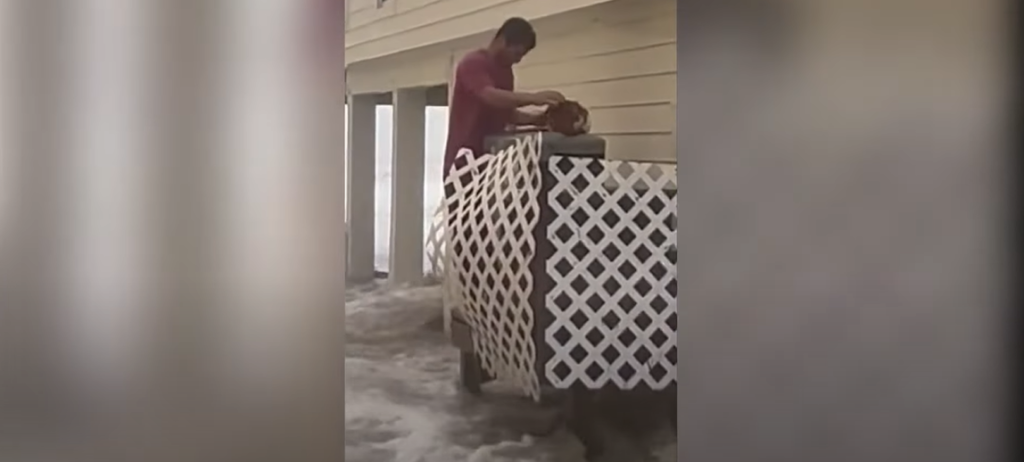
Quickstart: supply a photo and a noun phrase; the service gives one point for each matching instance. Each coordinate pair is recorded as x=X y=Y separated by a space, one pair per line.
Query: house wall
x=394 y=26
x=617 y=58
x=623 y=69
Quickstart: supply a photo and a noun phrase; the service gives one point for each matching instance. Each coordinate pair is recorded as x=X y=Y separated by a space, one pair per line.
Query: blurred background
x=173 y=228
x=173 y=206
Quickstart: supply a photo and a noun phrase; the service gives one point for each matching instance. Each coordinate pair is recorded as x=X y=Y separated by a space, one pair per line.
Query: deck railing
x=562 y=263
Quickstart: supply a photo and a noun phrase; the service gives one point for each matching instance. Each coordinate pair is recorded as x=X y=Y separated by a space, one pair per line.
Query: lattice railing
x=490 y=214
x=563 y=266
x=613 y=267
x=436 y=245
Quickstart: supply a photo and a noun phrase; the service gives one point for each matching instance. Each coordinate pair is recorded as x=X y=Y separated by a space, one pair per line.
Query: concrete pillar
x=406 y=259
x=362 y=181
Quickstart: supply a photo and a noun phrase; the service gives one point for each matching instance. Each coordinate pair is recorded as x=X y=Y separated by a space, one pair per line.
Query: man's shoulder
x=475 y=57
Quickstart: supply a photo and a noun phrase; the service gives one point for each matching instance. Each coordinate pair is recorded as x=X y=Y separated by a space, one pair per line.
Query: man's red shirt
x=470 y=120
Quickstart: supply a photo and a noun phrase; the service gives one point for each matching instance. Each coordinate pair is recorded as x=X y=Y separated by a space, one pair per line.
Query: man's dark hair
x=518 y=31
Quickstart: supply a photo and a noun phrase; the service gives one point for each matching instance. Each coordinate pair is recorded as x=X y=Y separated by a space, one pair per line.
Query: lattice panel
x=436 y=244
x=491 y=213
x=614 y=274
x=466 y=165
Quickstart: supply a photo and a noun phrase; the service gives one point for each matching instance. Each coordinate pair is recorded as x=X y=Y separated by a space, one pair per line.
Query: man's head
x=514 y=39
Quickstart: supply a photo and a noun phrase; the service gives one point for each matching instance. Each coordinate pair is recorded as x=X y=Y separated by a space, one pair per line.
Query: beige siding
x=423 y=67
x=623 y=68
x=618 y=59
x=400 y=25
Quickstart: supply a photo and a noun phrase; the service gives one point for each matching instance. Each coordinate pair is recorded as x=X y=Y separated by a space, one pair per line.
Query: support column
x=362 y=182
x=406 y=259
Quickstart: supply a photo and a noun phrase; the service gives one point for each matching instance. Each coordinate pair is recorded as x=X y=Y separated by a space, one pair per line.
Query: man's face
x=514 y=53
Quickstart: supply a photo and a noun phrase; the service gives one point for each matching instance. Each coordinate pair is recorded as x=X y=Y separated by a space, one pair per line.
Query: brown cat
x=568 y=118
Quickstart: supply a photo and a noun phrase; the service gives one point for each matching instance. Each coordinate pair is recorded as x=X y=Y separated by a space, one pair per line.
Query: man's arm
x=521 y=117
x=504 y=99
x=473 y=75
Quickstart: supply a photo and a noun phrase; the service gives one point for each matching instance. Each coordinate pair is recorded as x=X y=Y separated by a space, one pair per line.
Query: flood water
x=403 y=403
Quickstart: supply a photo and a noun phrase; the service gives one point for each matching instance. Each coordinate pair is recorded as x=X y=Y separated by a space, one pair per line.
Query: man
x=484 y=101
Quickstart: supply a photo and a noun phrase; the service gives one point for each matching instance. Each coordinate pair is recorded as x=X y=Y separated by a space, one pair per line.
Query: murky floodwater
x=403 y=403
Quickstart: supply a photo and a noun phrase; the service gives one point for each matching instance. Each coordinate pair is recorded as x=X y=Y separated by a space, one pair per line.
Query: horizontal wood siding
x=623 y=69
x=617 y=58
x=400 y=25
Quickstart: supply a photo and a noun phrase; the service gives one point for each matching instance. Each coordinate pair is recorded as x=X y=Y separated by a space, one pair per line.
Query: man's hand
x=547 y=98
x=528 y=117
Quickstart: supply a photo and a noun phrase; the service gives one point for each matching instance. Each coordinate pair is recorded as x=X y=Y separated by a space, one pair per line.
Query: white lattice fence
x=465 y=166
x=490 y=217
x=608 y=310
x=435 y=245
x=613 y=272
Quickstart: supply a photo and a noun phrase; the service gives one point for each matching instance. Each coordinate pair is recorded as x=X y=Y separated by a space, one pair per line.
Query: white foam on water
x=406 y=433
x=402 y=399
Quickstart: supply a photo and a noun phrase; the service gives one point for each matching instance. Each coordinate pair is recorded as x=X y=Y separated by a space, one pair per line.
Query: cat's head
x=568 y=118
